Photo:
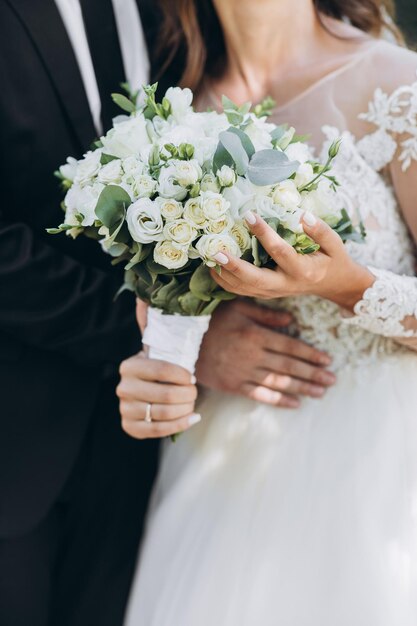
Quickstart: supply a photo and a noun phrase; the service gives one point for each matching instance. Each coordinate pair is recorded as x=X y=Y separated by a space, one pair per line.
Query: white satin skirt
x=270 y=517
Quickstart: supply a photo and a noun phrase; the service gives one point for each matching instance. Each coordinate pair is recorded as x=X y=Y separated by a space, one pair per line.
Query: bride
x=309 y=518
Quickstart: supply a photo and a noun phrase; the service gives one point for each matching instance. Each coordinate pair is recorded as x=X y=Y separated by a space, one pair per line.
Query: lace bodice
x=378 y=176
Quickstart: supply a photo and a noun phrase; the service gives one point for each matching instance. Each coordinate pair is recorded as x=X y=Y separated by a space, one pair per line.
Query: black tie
x=103 y=40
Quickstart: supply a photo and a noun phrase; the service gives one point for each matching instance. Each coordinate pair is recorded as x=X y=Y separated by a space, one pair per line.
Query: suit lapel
x=47 y=31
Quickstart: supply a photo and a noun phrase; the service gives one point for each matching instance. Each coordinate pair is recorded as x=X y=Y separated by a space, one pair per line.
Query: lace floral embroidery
x=387 y=304
x=397 y=114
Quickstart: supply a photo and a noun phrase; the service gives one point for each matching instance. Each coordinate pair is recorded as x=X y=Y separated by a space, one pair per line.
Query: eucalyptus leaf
x=111 y=205
x=245 y=139
x=221 y=157
x=201 y=283
x=234 y=147
x=107 y=158
x=269 y=167
x=189 y=303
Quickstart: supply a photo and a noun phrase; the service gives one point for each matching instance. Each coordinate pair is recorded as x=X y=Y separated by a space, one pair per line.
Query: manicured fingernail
x=325 y=359
x=317 y=392
x=293 y=404
x=193 y=380
x=309 y=218
x=250 y=218
x=221 y=258
x=328 y=378
x=194 y=419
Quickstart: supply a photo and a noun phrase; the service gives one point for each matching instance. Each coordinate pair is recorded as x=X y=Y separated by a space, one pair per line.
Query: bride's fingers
x=243 y=278
x=283 y=254
x=135 y=411
x=288 y=384
x=158 y=430
x=153 y=369
x=321 y=233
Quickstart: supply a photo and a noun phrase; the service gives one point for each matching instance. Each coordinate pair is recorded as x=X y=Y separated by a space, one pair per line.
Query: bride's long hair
x=191 y=29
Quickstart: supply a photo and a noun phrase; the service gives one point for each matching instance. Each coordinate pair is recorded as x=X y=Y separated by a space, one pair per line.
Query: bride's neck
x=262 y=36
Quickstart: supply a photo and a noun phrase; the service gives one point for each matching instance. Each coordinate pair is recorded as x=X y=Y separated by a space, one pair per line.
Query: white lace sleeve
x=389 y=307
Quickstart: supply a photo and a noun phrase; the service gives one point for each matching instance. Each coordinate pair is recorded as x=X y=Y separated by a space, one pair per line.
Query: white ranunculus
x=111 y=172
x=170 y=209
x=170 y=254
x=209 y=183
x=168 y=186
x=88 y=168
x=193 y=212
x=69 y=170
x=209 y=245
x=319 y=202
x=214 y=205
x=180 y=231
x=299 y=151
x=286 y=194
x=144 y=221
x=304 y=175
x=262 y=205
x=241 y=235
x=291 y=220
x=180 y=101
x=216 y=227
x=187 y=173
x=143 y=186
x=82 y=201
x=127 y=138
x=226 y=176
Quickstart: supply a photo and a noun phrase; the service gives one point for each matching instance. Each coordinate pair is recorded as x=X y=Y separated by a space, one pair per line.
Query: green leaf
x=123 y=102
x=268 y=167
x=189 y=303
x=221 y=157
x=201 y=283
x=234 y=147
x=111 y=205
x=107 y=158
x=211 y=307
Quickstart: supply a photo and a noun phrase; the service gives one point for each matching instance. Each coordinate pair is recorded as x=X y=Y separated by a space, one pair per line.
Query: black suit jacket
x=60 y=330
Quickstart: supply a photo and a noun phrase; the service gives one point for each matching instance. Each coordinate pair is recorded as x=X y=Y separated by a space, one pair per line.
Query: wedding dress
x=273 y=517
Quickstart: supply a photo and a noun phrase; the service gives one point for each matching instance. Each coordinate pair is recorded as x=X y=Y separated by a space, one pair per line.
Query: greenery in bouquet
x=167 y=187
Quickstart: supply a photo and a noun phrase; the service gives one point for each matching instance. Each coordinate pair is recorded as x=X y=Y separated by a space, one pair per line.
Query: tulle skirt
x=271 y=517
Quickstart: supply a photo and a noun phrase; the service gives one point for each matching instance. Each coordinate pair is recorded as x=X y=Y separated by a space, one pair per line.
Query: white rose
x=170 y=209
x=127 y=138
x=168 y=186
x=321 y=203
x=209 y=183
x=180 y=101
x=291 y=220
x=144 y=221
x=304 y=175
x=82 y=201
x=214 y=205
x=69 y=170
x=180 y=231
x=259 y=132
x=170 y=254
x=88 y=168
x=209 y=245
x=187 y=173
x=132 y=166
x=226 y=176
x=218 y=226
x=143 y=186
x=286 y=194
x=111 y=172
x=193 y=212
x=299 y=151
x=241 y=235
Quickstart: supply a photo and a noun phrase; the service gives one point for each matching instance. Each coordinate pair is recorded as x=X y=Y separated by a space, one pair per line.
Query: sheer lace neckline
x=213 y=98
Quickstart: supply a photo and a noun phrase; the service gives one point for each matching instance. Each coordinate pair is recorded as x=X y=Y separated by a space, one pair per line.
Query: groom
x=73 y=487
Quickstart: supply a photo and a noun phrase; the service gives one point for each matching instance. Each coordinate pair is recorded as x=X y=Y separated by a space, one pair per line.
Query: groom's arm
x=51 y=301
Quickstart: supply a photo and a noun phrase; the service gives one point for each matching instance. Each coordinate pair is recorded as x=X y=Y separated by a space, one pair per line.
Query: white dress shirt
x=132 y=44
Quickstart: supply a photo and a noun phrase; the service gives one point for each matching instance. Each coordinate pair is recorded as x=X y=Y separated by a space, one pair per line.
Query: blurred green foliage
x=407 y=19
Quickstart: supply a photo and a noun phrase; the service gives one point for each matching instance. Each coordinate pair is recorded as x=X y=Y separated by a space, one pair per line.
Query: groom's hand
x=243 y=354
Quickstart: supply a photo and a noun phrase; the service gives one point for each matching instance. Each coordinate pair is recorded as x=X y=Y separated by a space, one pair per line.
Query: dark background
x=407 y=19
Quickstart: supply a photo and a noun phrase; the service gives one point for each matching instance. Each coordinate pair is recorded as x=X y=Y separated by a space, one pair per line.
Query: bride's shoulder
x=391 y=67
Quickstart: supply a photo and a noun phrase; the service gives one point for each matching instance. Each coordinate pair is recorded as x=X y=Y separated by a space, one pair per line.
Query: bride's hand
x=169 y=389
x=329 y=273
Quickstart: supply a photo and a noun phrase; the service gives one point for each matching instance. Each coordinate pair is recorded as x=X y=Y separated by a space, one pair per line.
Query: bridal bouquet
x=166 y=189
